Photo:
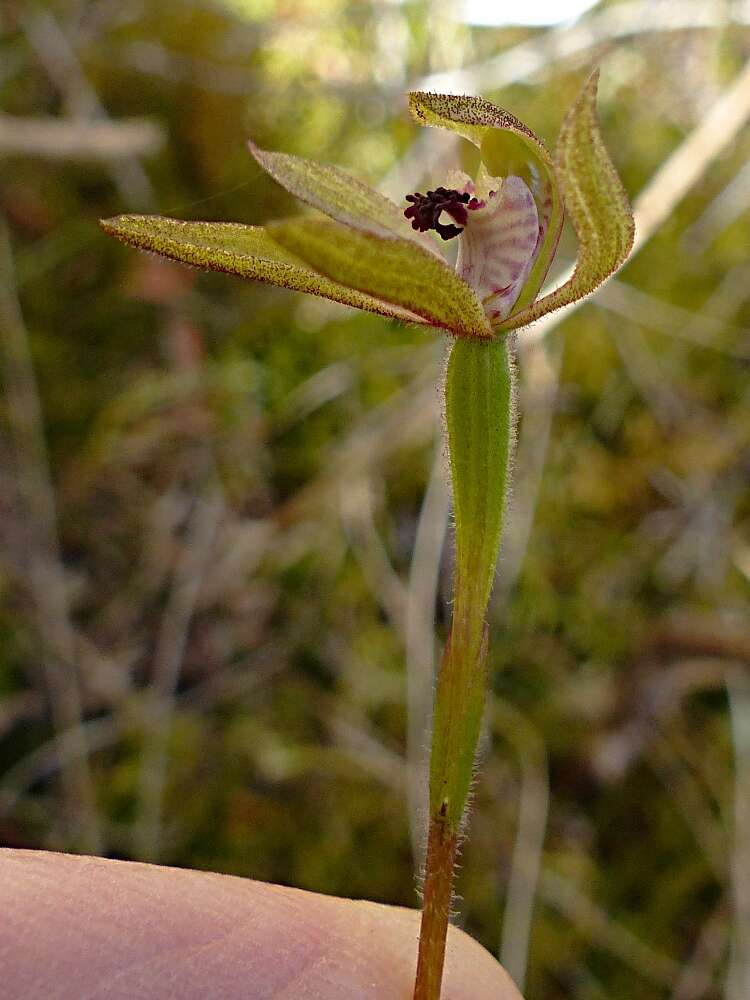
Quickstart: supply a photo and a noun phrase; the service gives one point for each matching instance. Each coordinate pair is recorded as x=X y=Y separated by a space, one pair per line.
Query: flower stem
x=442 y=846
x=480 y=418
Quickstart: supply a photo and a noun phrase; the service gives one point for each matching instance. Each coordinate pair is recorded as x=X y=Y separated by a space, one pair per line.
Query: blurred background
x=223 y=577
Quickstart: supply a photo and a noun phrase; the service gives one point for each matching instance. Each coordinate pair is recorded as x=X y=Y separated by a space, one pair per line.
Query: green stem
x=480 y=418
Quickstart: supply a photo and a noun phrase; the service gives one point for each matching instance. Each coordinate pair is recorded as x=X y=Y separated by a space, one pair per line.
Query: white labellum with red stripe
x=498 y=245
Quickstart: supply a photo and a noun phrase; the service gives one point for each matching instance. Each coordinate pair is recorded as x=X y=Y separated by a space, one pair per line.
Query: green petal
x=338 y=194
x=391 y=269
x=596 y=202
x=508 y=147
x=248 y=251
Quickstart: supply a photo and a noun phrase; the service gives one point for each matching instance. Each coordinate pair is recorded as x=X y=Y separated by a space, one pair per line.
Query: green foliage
x=479 y=413
x=480 y=416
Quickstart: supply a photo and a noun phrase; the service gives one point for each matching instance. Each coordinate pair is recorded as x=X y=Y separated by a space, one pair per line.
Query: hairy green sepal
x=391 y=269
x=596 y=203
x=479 y=417
x=390 y=276
x=247 y=251
x=340 y=195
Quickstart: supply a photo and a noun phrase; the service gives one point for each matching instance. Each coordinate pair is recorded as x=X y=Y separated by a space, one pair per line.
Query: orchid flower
x=363 y=252
x=361 y=249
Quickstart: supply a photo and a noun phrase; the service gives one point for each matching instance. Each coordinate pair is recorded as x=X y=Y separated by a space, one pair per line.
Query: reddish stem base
x=438 y=893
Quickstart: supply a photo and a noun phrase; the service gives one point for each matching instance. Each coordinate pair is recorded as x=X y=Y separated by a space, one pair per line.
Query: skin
x=80 y=928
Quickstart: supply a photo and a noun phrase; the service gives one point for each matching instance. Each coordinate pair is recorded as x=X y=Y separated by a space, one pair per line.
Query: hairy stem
x=479 y=418
x=438 y=887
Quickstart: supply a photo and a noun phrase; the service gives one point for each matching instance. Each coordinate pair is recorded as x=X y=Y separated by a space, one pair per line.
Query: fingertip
x=95 y=928
x=471 y=972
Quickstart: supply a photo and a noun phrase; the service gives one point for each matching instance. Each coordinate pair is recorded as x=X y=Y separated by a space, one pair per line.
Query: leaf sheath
x=480 y=419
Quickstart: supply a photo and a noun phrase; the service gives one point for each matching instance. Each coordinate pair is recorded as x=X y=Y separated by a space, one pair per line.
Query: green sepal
x=391 y=269
x=596 y=203
x=248 y=251
x=339 y=195
x=471 y=117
